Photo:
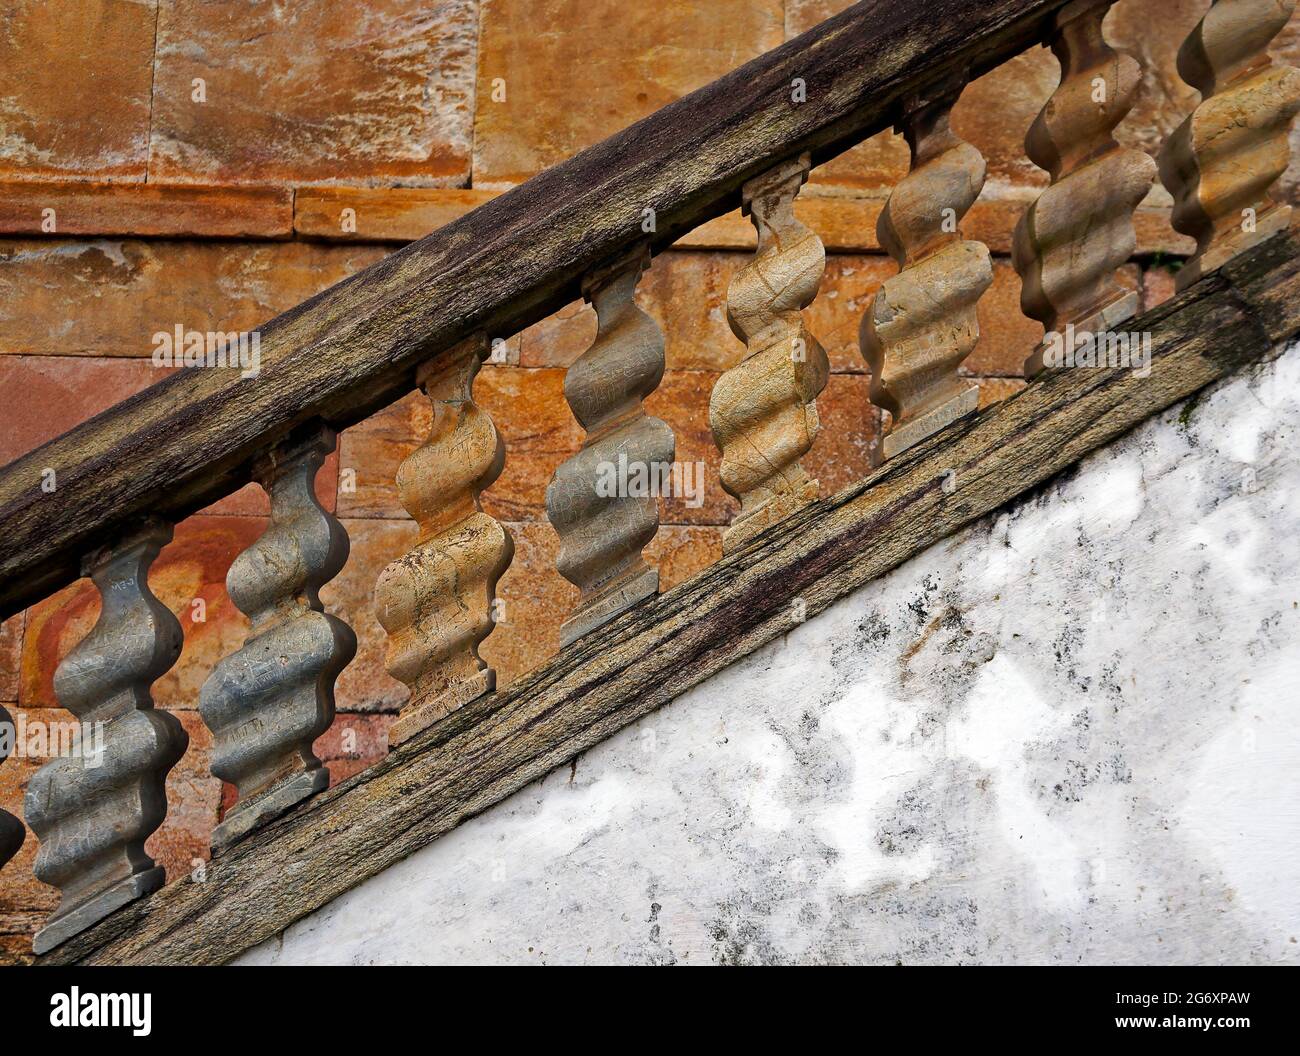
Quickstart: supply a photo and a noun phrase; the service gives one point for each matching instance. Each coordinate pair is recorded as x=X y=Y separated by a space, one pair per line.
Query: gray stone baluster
x=92 y=810
x=1070 y=244
x=603 y=522
x=1222 y=164
x=922 y=323
x=11 y=829
x=268 y=702
x=437 y=602
x=763 y=411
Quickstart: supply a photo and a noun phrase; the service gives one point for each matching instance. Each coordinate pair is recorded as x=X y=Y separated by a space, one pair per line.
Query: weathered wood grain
x=496 y=745
x=354 y=348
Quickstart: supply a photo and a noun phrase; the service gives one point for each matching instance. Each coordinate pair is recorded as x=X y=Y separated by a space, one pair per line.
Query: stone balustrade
x=267 y=702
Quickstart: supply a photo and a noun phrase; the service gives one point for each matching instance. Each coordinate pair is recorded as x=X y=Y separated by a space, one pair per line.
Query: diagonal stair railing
x=430 y=314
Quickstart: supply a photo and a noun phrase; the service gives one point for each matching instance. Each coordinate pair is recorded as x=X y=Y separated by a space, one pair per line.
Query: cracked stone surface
x=1066 y=734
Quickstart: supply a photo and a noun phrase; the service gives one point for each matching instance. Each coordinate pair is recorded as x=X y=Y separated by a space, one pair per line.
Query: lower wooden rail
x=497 y=744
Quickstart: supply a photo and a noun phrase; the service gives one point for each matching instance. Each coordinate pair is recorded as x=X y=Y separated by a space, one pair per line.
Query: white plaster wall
x=1068 y=734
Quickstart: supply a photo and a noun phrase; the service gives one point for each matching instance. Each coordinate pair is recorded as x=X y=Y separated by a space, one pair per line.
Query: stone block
x=323 y=91
x=543 y=96
x=108 y=298
x=78 y=78
x=11 y=644
x=379 y=214
x=145 y=211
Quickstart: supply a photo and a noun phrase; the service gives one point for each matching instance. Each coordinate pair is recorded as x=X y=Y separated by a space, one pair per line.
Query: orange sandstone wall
x=198 y=157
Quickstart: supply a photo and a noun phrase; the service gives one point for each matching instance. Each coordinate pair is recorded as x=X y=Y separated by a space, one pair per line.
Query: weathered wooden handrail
x=354 y=348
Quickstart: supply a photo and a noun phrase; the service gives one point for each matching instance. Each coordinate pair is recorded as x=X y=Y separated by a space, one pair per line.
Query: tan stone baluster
x=1220 y=163
x=603 y=502
x=12 y=832
x=763 y=411
x=436 y=603
x=93 y=808
x=268 y=702
x=921 y=324
x=1071 y=241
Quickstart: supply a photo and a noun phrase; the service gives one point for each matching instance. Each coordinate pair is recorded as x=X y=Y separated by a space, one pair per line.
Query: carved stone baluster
x=1220 y=163
x=763 y=411
x=1071 y=241
x=12 y=832
x=94 y=809
x=268 y=702
x=601 y=501
x=436 y=602
x=921 y=324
